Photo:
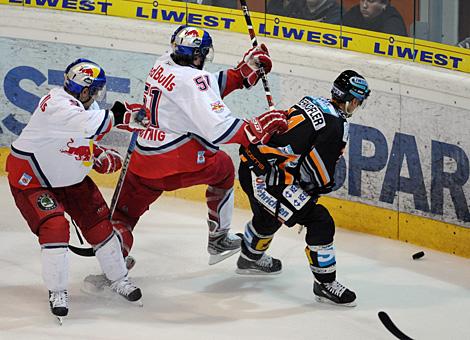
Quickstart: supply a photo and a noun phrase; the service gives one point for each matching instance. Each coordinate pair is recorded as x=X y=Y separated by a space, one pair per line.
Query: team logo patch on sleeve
x=46 y=202
x=200 y=157
x=217 y=107
x=25 y=179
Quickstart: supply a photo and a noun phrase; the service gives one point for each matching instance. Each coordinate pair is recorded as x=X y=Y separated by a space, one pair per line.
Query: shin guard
x=254 y=244
x=220 y=205
x=110 y=257
x=322 y=262
x=55 y=267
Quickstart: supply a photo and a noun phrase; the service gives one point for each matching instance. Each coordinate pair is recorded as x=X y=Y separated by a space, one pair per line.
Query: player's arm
x=317 y=167
x=211 y=119
x=247 y=72
x=95 y=123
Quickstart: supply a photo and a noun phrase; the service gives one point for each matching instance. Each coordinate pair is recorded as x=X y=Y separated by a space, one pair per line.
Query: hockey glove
x=316 y=191
x=261 y=128
x=106 y=161
x=253 y=60
x=130 y=117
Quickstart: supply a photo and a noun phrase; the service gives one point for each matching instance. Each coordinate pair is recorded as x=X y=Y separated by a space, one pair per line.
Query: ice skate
x=222 y=244
x=95 y=284
x=334 y=293
x=266 y=265
x=58 y=301
x=127 y=290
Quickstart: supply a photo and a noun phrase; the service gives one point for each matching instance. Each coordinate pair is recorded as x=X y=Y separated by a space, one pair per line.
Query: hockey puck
x=418 y=255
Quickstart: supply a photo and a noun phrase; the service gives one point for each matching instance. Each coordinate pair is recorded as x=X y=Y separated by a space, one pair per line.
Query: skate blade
x=59 y=319
x=255 y=272
x=328 y=301
x=213 y=259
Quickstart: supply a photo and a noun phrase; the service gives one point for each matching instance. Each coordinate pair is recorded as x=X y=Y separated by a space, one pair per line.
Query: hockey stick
x=120 y=182
x=254 y=43
x=88 y=252
x=387 y=322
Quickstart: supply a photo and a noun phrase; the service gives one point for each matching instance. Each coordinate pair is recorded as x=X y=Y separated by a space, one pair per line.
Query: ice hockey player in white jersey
x=189 y=120
x=47 y=172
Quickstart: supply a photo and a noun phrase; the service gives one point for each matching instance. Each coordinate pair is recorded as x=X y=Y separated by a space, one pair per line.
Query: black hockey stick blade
x=87 y=252
x=392 y=328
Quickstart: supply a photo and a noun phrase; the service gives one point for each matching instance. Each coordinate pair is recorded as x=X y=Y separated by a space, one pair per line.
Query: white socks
x=55 y=268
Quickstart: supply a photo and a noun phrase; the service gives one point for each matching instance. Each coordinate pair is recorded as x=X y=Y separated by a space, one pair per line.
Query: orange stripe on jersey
x=320 y=167
x=294 y=121
x=289 y=158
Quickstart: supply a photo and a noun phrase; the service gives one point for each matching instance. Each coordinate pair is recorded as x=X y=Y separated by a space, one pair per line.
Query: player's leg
x=220 y=200
x=219 y=175
x=321 y=255
x=136 y=196
x=87 y=207
x=44 y=214
x=258 y=235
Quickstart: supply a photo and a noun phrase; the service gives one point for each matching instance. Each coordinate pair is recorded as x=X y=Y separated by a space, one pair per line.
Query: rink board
x=404 y=175
x=355 y=216
x=310 y=32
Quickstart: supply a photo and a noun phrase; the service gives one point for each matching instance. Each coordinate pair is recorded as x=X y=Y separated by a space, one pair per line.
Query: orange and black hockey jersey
x=307 y=153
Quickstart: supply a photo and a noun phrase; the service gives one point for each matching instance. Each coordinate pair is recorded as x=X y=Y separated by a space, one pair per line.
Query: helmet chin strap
x=346 y=110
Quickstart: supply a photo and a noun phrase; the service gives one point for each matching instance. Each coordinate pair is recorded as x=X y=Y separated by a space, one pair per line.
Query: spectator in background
x=464 y=43
x=319 y=10
x=376 y=15
x=221 y=3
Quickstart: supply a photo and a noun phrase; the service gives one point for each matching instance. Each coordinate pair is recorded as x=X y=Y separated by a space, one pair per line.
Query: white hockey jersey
x=55 y=149
x=189 y=120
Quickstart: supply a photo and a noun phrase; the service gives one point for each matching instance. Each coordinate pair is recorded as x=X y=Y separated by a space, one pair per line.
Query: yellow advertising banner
x=84 y=6
x=304 y=31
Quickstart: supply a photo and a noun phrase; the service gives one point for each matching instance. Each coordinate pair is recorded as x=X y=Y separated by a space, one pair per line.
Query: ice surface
x=184 y=298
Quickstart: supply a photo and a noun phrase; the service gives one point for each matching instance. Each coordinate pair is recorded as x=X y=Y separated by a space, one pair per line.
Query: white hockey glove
x=253 y=60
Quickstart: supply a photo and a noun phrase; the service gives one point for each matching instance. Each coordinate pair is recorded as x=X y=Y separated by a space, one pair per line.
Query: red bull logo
x=217 y=107
x=88 y=70
x=192 y=33
x=81 y=153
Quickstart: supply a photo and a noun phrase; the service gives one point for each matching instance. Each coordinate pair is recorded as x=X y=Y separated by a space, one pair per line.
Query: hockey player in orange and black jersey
x=285 y=178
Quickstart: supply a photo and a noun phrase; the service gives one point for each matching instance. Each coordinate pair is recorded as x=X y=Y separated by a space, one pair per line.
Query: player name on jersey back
x=313 y=112
x=162 y=77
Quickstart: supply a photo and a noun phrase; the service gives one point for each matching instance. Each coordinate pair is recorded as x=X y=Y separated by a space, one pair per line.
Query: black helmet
x=350 y=85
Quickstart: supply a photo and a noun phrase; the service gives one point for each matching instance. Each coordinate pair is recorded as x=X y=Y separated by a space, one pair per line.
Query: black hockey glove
x=316 y=191
x=275 y=177
x=275 y=180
